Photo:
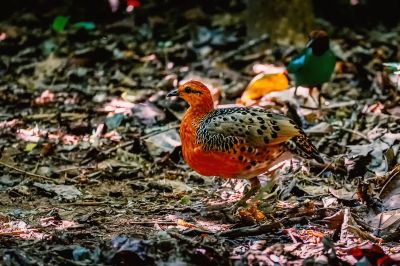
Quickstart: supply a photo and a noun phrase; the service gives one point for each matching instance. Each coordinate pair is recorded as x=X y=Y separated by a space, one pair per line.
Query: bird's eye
x=189 y=90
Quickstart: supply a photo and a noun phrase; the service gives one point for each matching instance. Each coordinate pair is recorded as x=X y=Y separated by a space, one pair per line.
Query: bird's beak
x=309 y=43
x=173 y=93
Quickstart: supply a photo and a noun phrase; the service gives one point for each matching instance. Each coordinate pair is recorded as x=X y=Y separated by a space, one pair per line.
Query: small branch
x=353 y=132
x=152 y=222
x=14 y=233
x=88 y=203
x=244 y=47
x=329 y=107
x=391 y=175
x=123 y=145
x=251 y=230
x=49 y=116
x=159 y=131
x=27 y=173
x=183 y=238
x=311 y=108
x=323 y=170
x=73 y=169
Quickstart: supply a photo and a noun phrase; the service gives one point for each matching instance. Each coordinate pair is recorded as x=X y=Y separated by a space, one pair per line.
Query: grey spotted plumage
x=256 y=128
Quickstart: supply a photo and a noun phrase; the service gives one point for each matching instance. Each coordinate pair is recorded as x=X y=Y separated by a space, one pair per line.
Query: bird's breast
x=239 y=162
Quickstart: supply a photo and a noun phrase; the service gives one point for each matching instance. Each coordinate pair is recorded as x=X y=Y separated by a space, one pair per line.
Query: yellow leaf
x=30 y=146
x=263 y=84
x=184 y=223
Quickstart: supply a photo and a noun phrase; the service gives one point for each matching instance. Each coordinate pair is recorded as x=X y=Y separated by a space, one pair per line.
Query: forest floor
x=91 y=171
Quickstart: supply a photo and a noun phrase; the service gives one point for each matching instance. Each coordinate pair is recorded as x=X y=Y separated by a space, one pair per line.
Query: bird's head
x=319 y=42
x=195 y=93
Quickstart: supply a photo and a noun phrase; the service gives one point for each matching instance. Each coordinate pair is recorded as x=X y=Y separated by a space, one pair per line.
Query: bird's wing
x=223 y=128
x=297 y=62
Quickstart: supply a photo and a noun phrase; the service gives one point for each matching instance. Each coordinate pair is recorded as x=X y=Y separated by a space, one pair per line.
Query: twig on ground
x=123 y=145
x=251 y=230
x=325 y=168
x=353 y=132
x=391 y=175
x=49 y=116
x=27 y=173
x=244 y=47
x=88 y=203
x=329 y=107
x=152 y=222
x=183 y=238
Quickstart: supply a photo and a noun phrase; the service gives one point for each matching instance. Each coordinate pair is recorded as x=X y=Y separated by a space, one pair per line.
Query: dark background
x=365 y=13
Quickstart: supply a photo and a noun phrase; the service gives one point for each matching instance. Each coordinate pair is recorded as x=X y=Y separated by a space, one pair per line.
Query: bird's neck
x=189 y=125
x=201 y=109
x=194 y=115
x=320 y=47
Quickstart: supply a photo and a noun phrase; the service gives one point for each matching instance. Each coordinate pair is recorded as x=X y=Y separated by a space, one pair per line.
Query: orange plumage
x=236 y=142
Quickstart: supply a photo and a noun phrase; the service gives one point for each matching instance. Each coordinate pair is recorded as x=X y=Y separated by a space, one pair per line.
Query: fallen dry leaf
x=263 y=84
x=45 y=98
x=251 y=214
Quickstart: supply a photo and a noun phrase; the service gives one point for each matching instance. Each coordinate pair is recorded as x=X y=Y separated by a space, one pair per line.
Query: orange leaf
x=184 y=223
x=263 y=84
x=251 y=214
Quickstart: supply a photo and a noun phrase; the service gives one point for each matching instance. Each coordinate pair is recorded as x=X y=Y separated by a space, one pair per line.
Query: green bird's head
x=319 y=42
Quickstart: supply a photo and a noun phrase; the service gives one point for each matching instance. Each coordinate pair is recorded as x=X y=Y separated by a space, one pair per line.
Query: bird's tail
x=302 y=146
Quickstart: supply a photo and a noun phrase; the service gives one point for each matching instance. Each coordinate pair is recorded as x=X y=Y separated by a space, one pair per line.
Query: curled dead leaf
x=263 y=84
x=335 y=221
x=343 y=194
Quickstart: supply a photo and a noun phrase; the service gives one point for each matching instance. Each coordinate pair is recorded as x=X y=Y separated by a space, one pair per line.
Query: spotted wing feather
x=301 y=145
x=223 y=128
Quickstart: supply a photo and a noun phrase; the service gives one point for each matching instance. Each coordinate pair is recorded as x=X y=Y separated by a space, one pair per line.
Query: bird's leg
x=295 y=91
x=319 y=96
x=254 y=187
x=229 y=210
x=310 y=93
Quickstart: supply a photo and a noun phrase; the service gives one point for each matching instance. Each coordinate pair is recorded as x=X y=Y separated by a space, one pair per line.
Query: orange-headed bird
x=237 y=142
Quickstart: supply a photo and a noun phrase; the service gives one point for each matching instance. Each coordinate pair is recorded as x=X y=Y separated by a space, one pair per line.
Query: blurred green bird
x=314 y=65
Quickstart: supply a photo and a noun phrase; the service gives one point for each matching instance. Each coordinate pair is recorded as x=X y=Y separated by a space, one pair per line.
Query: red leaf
x=134 y=3
x=373 y=253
